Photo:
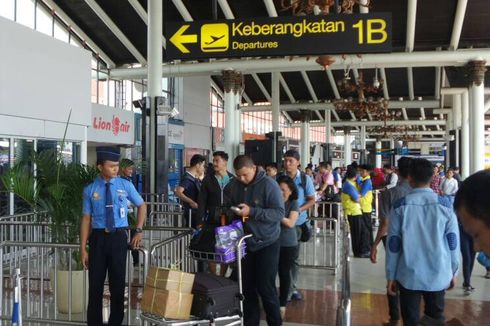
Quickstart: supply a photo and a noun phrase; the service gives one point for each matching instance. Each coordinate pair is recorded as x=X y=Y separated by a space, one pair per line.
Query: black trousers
x=410 y=305
x=286 y=261
x=393 y=300
x=468 y=254
x=259 y=278
x=107 y=254
x=368 y=230
x=359 y=235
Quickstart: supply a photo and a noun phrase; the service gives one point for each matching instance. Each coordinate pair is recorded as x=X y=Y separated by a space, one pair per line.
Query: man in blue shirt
x=423 y=247
x=306 y=199
x=104 y=226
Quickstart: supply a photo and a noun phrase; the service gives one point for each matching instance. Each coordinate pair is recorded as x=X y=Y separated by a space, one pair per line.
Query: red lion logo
x=115 y=125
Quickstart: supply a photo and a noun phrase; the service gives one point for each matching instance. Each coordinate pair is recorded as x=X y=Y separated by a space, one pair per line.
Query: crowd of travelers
x=418 y=225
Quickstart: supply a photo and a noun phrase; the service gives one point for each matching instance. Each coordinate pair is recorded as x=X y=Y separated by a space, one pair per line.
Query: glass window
x=112 y=93
x=7 y=9
x=44 y=20
x=60 y=32
x=25 y=12
x=74 y=41
x=4 y=166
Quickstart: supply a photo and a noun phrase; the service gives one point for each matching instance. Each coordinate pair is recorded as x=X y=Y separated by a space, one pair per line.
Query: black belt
x=106 y=231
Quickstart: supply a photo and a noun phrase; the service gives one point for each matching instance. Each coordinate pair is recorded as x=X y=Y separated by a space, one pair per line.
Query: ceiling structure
x=118 y=29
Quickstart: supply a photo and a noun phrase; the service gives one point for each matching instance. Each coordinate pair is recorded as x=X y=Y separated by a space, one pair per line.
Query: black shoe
x=296 y=296
x=365 y=255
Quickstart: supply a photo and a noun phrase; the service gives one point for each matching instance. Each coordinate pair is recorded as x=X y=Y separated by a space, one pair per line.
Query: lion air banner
x=110 y=125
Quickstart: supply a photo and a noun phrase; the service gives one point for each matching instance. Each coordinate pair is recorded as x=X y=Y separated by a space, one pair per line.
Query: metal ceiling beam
x=182 y=9
x=312 y=92
x=271 y=10
x=57 y=10
x=225 y=7
x=329 y=106
x=144 y=16
x=458 y=24
x=335 y=90
x=368 y=61
x=385 y=83
x=262 y=87
x=378 y=123
x=114 y=29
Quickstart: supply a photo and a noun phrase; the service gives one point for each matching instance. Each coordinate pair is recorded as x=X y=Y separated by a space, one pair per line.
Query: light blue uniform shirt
x=423 y=242
x=94 y=201
x=302 y=194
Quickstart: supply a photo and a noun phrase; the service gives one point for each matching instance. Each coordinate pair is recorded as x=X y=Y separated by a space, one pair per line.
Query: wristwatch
x=138 y=230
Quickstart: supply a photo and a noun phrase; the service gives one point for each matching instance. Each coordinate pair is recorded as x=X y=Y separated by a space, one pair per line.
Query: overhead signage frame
x=280 y=36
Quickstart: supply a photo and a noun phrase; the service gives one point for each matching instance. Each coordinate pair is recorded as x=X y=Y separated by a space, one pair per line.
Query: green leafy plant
x=57 y=189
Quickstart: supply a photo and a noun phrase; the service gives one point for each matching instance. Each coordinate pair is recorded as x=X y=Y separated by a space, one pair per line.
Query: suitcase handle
x=211 y=301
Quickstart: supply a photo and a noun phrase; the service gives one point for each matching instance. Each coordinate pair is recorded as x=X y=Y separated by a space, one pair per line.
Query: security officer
x=104 y=224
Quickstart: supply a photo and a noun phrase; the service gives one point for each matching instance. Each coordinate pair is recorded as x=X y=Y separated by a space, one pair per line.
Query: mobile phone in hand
x=235 y=209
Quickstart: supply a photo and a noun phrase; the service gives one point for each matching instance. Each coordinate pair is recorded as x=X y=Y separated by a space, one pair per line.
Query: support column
x=328 y=149
x=363 y=155
x=378 y=154
x=476 y=72
x=232 y=81
x=305 y=144
x=155 y=26
x=347 y=147
x=275 y=113
x=465 y=136
x=83 y=147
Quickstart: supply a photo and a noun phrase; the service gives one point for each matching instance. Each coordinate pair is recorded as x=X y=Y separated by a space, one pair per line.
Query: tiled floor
x=369 y=306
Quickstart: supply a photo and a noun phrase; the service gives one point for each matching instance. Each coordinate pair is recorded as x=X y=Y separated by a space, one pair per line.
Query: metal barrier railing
x=52 y=295
x=344 y=307
x=322 y=252
x=172 y=252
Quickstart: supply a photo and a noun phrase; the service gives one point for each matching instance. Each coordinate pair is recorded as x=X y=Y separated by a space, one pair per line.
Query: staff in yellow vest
x=366 y=192
x=352 y=208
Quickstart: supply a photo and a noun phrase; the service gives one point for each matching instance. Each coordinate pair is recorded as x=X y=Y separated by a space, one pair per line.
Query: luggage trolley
x=149 y=319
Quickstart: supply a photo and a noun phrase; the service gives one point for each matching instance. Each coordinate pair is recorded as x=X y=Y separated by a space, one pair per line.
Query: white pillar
x=456 y=147
x=83 y=147
x=232 y=81
x=465 y=136
x=305 y=144
x=378 y=154
x=477 y=115
x=275 y=101
x=229 y=134
x=275 y=112
x=328 y=126
x=347 y=149
x=155 y=25
x=363 y=137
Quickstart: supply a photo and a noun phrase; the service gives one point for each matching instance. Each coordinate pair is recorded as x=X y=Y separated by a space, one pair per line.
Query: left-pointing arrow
x=178 y=39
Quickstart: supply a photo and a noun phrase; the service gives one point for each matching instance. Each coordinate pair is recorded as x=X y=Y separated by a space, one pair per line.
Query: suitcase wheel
x=240 y=296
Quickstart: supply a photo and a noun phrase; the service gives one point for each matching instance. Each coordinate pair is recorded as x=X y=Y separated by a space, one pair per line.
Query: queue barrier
x=345 y=300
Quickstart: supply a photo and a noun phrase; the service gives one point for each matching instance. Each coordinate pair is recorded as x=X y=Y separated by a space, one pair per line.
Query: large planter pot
x=63 y=293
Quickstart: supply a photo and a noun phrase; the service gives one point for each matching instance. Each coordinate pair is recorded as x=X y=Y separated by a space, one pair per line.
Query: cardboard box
x=169 y=279
x=167 y=304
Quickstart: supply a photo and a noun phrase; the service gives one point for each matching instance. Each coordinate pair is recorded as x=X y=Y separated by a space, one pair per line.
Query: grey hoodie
x=264 y=197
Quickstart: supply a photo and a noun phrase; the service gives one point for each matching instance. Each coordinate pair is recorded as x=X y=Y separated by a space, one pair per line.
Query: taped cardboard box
x=170 y=279
x=167 y=304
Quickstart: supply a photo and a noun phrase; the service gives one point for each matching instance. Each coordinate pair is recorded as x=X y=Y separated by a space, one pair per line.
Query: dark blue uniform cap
x=105 y=153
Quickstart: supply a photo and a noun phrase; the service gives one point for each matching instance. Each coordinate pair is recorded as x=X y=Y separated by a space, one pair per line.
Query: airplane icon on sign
x=215 y=39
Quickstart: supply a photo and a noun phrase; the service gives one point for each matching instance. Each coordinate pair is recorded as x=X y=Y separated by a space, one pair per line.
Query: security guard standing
x=104 y=226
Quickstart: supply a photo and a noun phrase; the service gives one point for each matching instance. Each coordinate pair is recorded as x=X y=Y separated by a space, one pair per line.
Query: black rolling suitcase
x=215 y=296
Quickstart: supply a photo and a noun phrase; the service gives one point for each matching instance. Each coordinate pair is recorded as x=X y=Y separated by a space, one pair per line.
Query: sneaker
x=468 y=289
x=487 y=275
x=297 y=296
x=283 y=312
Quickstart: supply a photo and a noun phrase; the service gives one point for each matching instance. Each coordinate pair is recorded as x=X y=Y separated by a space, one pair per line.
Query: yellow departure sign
x=298 y=35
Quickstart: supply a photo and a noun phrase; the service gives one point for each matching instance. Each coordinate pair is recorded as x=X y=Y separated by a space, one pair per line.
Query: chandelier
x=361 y=98
x=396 y=132
x=308 y=7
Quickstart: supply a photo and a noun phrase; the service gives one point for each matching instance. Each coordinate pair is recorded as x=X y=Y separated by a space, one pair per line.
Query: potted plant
x=57 y=189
